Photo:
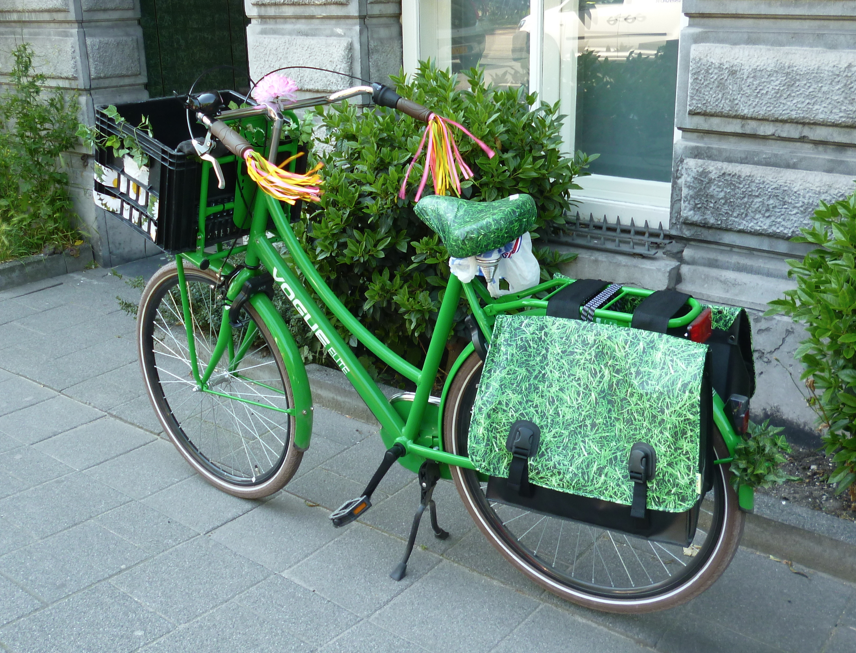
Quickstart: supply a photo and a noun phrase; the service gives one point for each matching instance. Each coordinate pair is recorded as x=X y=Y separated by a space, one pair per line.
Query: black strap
x=523 y=440
x=642 y=466
x=567 y=302
x=655 y=311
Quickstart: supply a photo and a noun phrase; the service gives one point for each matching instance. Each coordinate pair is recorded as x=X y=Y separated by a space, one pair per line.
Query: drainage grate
x=615 y=236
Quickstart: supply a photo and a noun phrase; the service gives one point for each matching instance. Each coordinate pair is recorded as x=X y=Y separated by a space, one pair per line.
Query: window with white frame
x=611 y=63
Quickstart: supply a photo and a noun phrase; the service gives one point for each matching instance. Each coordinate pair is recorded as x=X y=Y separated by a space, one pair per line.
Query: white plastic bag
x=517 y=265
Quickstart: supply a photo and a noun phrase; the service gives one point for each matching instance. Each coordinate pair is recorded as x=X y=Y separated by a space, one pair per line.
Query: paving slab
x=454 y=609
x=232 y=627
x=11 y=310
x=32 y=467
x=196 y=504
x=36 y=423
x=7 y=443
x=190 y=579
x=353 y=570
x=299 y=611
x=16 y=601
x=701 y=636
x=359 y=462
x=366 y=636
x=99 y=619
x=395 y=516
x=278 y=533
x=320 y=450
x=330 y=490
x=59 y=504
x=20 y=393
x=145 y=528
x=80 y=557
x=13 y=535
x=473 y=551
x=143 y=471
x=110 y=389
x=549 y=630
x=138 y=411
x=778 y=607
x=93 y=443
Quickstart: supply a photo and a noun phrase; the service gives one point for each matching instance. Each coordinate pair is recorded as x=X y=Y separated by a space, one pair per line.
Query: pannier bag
x=593 y=422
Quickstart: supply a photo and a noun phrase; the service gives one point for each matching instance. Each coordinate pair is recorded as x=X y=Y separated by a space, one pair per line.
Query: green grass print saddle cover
x=594 y=390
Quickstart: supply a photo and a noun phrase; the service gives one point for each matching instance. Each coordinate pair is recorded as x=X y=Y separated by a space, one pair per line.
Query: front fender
x=293 y=365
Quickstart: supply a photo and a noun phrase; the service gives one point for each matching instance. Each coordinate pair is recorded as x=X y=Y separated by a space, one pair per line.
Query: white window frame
x=602 y=195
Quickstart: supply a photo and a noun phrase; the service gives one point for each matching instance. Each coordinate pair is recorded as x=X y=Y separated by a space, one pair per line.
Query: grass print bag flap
x=591 y=401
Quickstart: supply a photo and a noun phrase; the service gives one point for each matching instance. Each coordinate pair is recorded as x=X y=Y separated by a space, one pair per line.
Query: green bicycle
x=228 y=384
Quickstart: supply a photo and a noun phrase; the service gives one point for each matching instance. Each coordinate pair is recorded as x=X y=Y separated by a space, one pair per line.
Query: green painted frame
x=395 y=428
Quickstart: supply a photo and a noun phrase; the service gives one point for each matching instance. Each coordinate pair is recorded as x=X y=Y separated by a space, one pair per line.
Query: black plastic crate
x=168 y=203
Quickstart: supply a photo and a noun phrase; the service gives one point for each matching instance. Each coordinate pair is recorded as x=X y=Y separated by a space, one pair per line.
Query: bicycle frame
x=418 y=426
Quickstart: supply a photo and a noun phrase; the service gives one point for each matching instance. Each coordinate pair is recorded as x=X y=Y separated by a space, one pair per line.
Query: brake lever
x=203 y=151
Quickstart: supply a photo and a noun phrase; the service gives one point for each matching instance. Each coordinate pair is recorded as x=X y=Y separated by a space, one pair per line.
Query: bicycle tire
x=627 y=574
x=246 y=450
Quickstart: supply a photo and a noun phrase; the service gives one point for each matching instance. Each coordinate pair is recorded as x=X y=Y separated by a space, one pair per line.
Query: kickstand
x=429 y=474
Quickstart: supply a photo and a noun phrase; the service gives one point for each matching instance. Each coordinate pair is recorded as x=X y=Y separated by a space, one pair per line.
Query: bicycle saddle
x=468 y=228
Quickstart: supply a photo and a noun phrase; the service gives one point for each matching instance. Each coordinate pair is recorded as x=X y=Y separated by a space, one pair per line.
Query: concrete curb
x=806 y=537
x=38 y=267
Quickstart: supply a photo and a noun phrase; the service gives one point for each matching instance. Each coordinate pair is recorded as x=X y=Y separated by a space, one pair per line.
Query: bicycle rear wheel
x=233 y=433
x=594 y=567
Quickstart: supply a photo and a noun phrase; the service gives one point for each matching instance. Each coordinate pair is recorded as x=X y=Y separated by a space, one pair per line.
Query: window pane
x=625 y=89
x=460 y=34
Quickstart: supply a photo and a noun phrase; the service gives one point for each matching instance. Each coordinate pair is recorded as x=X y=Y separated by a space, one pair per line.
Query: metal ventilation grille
x=615 y=236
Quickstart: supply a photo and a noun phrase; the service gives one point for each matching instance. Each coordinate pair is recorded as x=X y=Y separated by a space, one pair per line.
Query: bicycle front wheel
x=591 y=566
x=233 y=432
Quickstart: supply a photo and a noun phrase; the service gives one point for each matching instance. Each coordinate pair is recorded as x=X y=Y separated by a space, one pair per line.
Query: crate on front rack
x=174 y=200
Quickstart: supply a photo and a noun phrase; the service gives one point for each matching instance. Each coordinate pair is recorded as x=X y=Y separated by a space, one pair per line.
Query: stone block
x=654 y=273
x=113 y=57
x=37 y=5
x=803 y=85
x=268 y=3
x=777 y=8
x=272 y=48
x=755 y=199
x=56 y=53
x=107 y=5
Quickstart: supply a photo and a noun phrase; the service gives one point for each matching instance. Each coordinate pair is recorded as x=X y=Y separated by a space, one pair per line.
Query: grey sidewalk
x=109 y=543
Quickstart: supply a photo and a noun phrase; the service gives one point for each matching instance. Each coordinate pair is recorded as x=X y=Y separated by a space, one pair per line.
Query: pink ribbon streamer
x=450 y=151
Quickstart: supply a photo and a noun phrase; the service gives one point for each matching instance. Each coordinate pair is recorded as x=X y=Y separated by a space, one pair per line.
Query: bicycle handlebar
x=381 y=95
x=231 y=139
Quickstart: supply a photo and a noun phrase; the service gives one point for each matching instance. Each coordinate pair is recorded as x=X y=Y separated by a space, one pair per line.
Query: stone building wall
x=357 y=37
x=94 y=48
x=766 y=107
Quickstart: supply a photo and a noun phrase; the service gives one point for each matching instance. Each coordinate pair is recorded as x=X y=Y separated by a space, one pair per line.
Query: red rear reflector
x=700 y=328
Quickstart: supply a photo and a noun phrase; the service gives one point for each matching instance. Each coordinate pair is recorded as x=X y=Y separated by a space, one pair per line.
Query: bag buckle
x=523 y=440
x=642 y=467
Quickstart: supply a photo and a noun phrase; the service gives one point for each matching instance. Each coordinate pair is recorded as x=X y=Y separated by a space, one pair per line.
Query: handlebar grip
x=233 y=141
x=413 y=110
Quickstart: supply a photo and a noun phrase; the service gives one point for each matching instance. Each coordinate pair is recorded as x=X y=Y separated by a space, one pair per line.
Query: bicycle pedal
x=350 y=510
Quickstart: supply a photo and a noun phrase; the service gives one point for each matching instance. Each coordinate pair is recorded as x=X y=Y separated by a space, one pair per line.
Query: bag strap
x=655 y=311
x=523 y=440
x=567 y=302
x=642 y=467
